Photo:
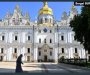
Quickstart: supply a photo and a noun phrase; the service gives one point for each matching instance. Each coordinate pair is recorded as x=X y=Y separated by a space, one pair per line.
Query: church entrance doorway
x=45 y=58
x=45 y=53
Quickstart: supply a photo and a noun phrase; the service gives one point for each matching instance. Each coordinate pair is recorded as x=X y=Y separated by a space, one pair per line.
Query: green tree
x=81 y=26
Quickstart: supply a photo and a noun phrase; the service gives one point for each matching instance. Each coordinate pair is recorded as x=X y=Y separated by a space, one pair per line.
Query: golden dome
x=45 y=9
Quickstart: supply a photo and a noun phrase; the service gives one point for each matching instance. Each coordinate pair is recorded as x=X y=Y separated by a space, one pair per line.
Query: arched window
x=1 y=50
x=50 y=40
x=75 y=50
x=15 y=50
x=44 y=40
x=62 y=37
x=62 y=50
x=45 y=50
x=16 y=38
x=28 y=37
x=3 y=37
x=39 y=40
x=39 y=53
x=28 y=50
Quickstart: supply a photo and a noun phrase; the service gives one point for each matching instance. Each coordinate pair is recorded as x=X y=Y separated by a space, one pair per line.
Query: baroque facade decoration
x=44 y=40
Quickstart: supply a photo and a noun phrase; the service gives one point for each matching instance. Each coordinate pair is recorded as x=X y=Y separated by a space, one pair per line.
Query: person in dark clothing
x=18 y=64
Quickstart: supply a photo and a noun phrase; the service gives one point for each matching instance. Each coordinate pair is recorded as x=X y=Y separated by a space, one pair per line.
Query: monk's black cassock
x=18 y=64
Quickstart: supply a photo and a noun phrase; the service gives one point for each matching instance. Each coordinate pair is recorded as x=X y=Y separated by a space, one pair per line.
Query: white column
x=56 y=55
x=71 y=52
x=9 y=54
x=83 y=53
x=35 y=54
x=23 y=52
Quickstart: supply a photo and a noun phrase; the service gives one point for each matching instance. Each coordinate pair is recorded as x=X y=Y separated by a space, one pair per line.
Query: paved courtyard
x=44 y=68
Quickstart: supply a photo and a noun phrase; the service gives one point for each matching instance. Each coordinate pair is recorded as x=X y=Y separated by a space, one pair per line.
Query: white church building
x=42 y=40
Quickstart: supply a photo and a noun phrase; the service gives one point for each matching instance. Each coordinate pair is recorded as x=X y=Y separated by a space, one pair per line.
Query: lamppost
x=58 y=42
x=33 y=45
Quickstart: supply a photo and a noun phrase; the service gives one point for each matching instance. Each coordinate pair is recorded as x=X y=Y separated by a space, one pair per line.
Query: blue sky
x=34 y=7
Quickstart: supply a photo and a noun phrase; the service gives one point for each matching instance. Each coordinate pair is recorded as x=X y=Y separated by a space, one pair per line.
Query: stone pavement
x=10 y=67
x=44 y=68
